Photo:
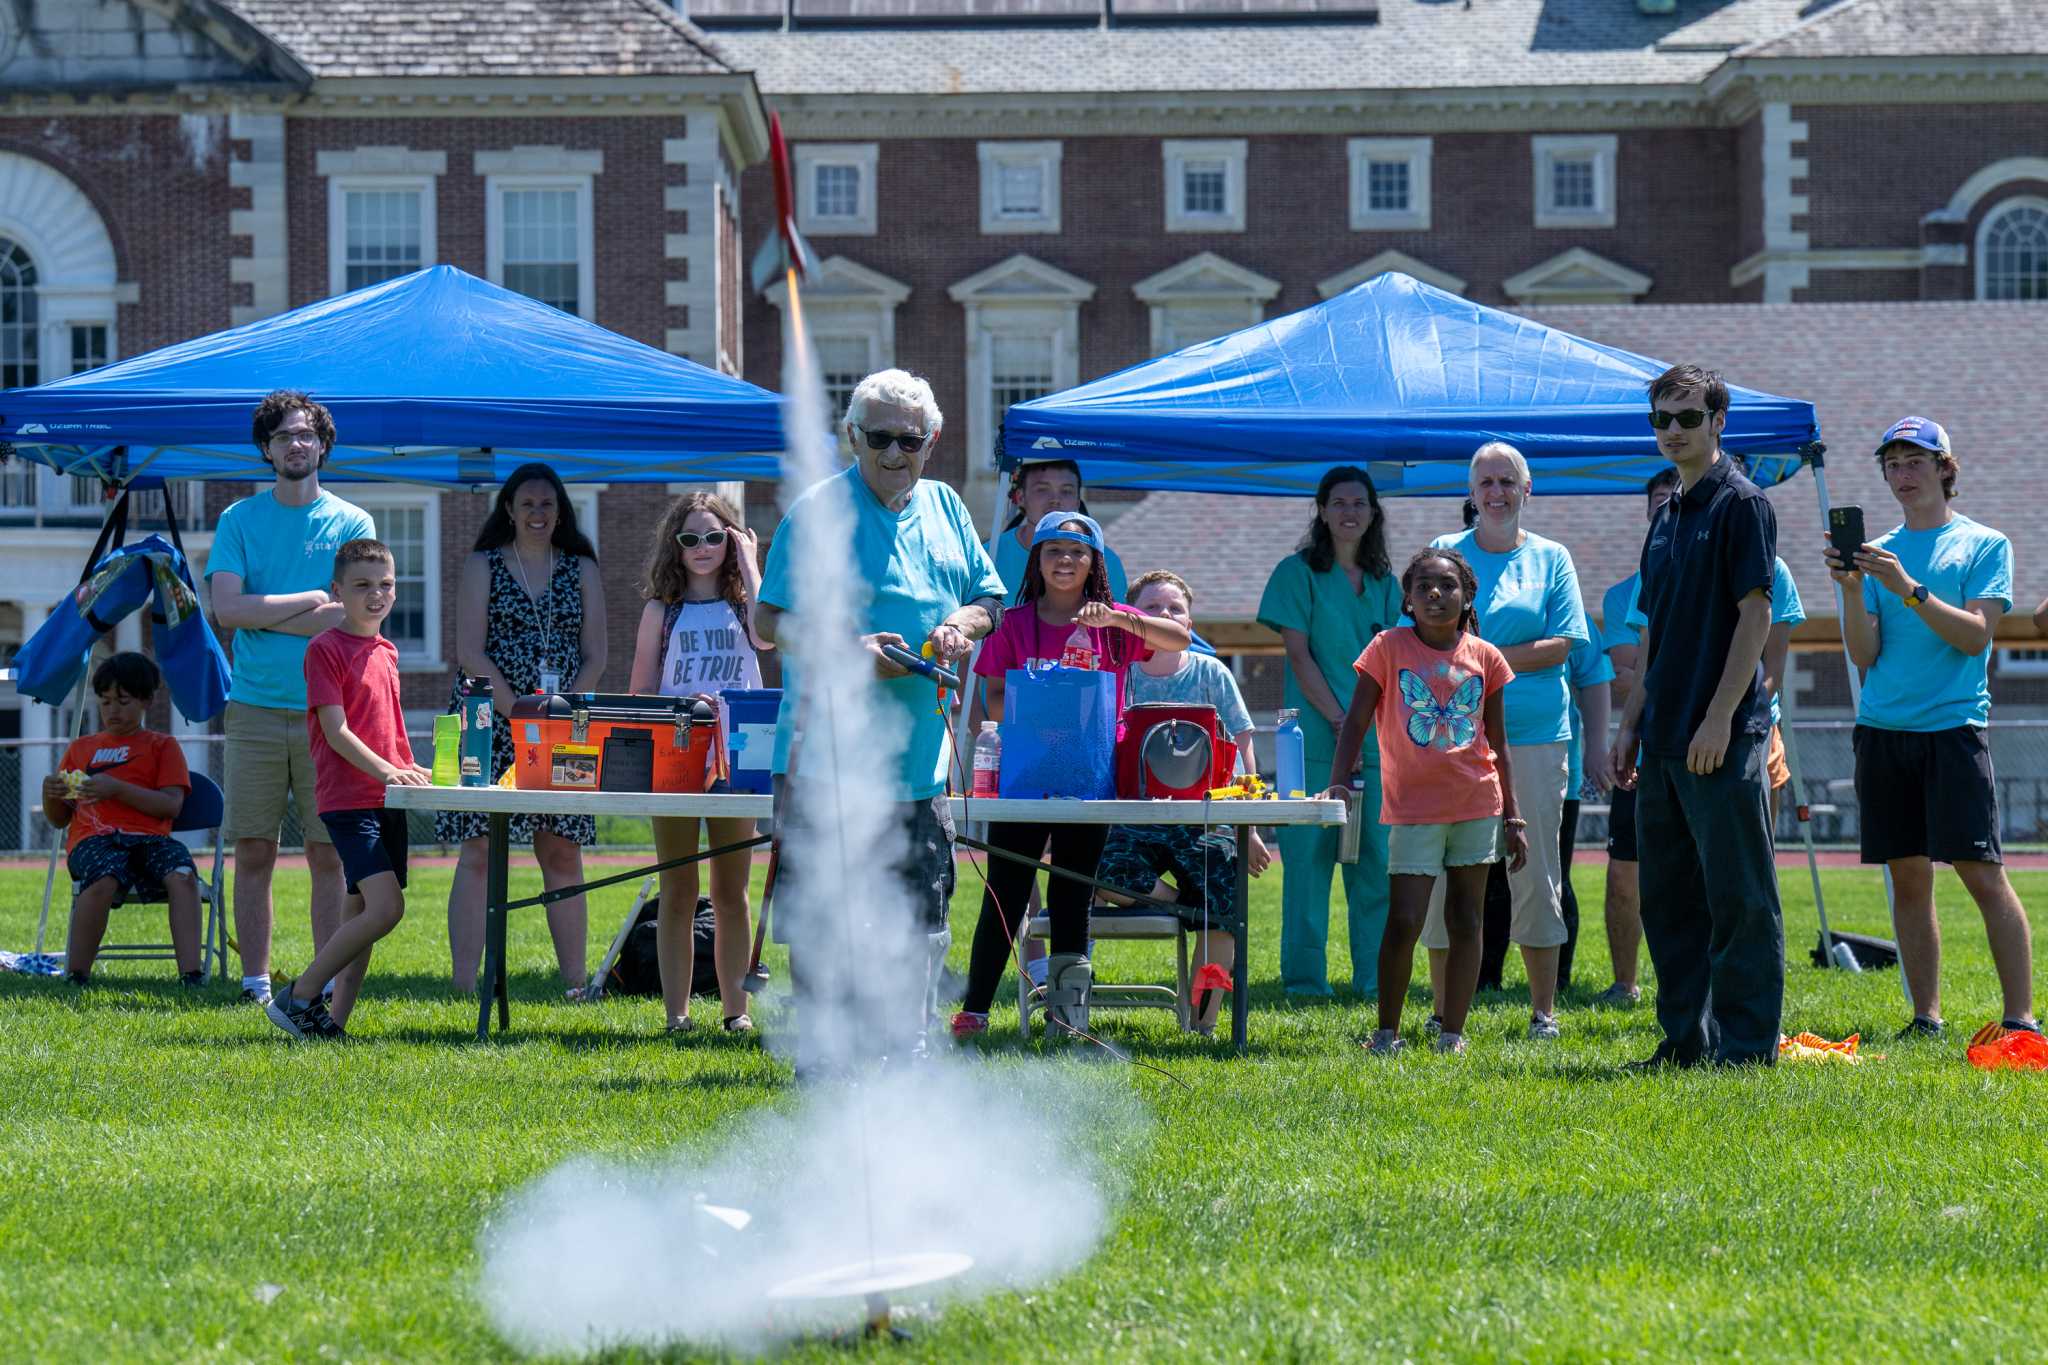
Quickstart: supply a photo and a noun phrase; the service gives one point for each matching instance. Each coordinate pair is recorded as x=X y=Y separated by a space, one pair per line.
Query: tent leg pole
x=57 y=843
x=1891 y=898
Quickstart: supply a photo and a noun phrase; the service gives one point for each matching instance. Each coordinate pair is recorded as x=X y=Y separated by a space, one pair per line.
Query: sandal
x=740 y=1023
x=683 y=1025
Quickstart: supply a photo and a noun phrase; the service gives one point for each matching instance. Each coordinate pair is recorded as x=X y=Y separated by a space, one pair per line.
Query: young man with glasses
x=1037 y=488
x=1932 y=590
x=269 y=570
x=1709 y=881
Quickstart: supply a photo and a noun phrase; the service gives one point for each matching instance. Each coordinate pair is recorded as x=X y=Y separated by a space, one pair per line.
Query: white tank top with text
x=707 y=651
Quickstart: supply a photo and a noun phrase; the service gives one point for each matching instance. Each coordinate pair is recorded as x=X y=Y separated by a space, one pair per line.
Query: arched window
x=2012 y=252
x=20 y=321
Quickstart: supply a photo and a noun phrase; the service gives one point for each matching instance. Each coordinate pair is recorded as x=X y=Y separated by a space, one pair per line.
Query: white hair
x=1505 y=451
x=898 y=388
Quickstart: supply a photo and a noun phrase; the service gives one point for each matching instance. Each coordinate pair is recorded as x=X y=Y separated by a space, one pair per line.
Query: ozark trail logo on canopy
x=1042 y=443
x=34 y=429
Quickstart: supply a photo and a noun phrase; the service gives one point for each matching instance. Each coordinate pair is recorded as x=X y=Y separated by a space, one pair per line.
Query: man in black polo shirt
x=1709 y=880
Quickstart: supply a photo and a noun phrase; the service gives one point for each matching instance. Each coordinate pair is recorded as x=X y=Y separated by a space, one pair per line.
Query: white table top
x=508 y=801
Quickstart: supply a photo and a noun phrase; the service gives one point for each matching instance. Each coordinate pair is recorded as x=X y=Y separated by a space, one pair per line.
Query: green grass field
x=170 y=1162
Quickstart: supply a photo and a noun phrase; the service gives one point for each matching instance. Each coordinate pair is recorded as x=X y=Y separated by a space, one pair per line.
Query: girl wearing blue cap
x=1064 y=616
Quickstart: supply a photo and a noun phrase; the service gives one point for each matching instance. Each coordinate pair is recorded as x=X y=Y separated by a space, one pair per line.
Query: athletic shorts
x=1926 y=794
x=139 y=862
x=1774 y=762
x=268 y=762
x=1621 y=826
x=1203 y=867
x=369 y=841
x=1426 y=850
x=806 y=905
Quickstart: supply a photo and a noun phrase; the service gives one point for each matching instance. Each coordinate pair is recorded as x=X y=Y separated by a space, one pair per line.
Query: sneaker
x=308 y=1020
x=740 y=1023
x=1385 y=1043
x=967 y=1024
x=192 y=980
x=2020 y=1025
x=256 y=995
x=1036 y=969
x=1543 y=1028
x=1434 y=1028
x=1451 y=1044
x=1619 y=997
x=1922 y=1028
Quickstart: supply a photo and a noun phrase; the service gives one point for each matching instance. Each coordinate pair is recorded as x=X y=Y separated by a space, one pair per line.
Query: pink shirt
x=1436 y=767
x=358 y=673
x=1022 y=638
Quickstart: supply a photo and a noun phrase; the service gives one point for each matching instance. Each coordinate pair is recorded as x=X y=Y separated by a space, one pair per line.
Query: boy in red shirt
x=356 y=729
x=118 y=792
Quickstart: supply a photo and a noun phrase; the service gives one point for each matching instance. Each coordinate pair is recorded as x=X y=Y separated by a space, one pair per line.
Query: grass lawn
x=165 y=1158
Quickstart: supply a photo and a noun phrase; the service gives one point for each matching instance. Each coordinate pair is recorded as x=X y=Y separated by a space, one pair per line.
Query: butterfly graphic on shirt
x=1448 y=724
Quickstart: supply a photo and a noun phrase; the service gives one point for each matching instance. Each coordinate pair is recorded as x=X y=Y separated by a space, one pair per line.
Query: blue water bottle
x=1290 y=757
x=476 y=733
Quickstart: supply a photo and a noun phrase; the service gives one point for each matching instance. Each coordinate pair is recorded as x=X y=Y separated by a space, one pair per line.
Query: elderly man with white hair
x=925 y=578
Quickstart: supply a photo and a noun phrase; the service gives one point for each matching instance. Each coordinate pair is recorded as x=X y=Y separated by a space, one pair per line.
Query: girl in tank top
x=696 y=635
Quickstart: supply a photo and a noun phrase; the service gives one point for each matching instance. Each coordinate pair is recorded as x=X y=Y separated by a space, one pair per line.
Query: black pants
x=1711 y=917
x=1075 y=847
x=1499 y=912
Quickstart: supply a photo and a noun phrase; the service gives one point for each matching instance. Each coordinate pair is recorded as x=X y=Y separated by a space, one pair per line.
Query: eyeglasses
x=909 y=441
x=295 y=438
x=690 y=540
x=1688 y=419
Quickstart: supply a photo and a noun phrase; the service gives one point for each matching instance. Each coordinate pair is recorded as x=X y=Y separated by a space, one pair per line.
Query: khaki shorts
x=1426 y=850
x=267 y=762
x=1537 y=891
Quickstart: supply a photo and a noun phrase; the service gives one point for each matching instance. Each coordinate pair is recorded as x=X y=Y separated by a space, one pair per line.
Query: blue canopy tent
x=1397 y=376
x=436 y=377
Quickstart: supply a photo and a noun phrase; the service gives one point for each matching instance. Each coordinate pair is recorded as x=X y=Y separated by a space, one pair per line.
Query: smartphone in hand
x=1845 y=533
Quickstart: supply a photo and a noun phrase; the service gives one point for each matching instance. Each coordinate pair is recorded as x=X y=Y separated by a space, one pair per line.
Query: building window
x=89 y=347
x=1020 y=368
x=1574 y=180
x=2012 y=252
x=378 y=231
x=1205 y=185
x=843 y=361
x=1389 y=183
x=538 y=239
x=2023 y=663
x=1020 y=187
x=583 y=497
x=835 y=188
x=20 y=318
x=410 y=523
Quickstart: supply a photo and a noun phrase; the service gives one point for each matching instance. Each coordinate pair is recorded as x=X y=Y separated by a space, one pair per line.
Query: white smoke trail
x=931 y=1158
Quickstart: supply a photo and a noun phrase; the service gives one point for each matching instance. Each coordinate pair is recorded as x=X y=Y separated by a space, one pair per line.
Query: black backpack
x=638 y=969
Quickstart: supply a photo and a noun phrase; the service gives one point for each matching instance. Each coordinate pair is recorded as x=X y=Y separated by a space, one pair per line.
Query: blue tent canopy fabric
x=1394 y=375
x=434 y=377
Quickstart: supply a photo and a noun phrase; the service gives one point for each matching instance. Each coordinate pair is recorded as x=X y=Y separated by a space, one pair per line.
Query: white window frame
x=1175 y=153
x=850 y=324
x=338 y=190
x=1021 y=295
x=864 y=157
x=1416 y=154
x=2010 y=665
x=583 y=497
x=1984 y=231
x=495 y=189
x=994 y=157
x=1546 y=151
x=370 y=496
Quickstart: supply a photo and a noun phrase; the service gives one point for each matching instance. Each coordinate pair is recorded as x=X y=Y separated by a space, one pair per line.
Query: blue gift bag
x=1059 y=734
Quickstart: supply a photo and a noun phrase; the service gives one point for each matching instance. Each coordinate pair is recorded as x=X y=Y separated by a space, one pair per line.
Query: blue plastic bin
x=750 y=722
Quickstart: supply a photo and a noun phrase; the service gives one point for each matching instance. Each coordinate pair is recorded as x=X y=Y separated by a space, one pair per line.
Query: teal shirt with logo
x=276 y=550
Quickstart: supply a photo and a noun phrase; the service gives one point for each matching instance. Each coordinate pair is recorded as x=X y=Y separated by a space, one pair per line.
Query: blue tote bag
x=1059 y=734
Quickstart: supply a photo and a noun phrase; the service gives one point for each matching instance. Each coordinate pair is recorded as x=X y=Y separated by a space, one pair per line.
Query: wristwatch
x=1916 y=595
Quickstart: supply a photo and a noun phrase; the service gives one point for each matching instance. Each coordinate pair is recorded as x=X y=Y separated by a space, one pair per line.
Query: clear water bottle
x=1079 y=651
x=988 y=760
x=1290 y=751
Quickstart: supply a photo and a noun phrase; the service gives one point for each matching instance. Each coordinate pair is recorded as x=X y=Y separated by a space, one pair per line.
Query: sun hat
x=1053 y=526
x=1918 y=431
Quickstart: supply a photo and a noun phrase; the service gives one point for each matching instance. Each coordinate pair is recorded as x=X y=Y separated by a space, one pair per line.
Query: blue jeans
x=1308 y=855
x=1711 y=917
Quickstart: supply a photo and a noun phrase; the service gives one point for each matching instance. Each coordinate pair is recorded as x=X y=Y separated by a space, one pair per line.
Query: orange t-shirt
x=1436 y=767
x=148 y=758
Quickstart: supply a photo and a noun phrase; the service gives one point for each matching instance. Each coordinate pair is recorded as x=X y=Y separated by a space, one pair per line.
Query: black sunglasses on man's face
x=1689 y=418
x=909 y=441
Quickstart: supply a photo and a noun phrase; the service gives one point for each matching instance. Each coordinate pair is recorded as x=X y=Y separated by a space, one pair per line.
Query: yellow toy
x=1247 y=788
x=74 y=782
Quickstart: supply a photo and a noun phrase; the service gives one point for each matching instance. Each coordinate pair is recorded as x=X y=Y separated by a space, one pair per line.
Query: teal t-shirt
x=1009 y=560
x=1339 y=623
x=918 y=567
x=1787 y=609
x=1586 y=666
x=1920 y=681
x=1615 y=609
x=1530 y=593
x=276 y=549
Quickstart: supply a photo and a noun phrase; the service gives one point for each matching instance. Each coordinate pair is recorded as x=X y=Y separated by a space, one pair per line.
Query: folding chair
x=1118 y=922
x=202 y=811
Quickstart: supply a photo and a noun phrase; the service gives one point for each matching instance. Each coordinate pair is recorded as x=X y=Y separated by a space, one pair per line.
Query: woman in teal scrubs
x=1327 y=600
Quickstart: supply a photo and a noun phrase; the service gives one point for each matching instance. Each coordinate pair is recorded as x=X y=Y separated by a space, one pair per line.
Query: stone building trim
x=1973 y=191
x=370 y=168
x=1213 y=295
x=1576 y=276
x=1382 y=263
x=265 y=265
x=696 y=186
x=1020 y=295
x=1786 y=246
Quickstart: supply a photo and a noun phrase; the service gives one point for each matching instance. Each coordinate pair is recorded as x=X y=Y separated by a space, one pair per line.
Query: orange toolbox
x=616 y=742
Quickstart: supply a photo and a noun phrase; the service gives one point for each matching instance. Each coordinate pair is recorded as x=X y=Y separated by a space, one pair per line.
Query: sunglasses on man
x=1689 y=418
x=910 y=442
x=690 y=540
